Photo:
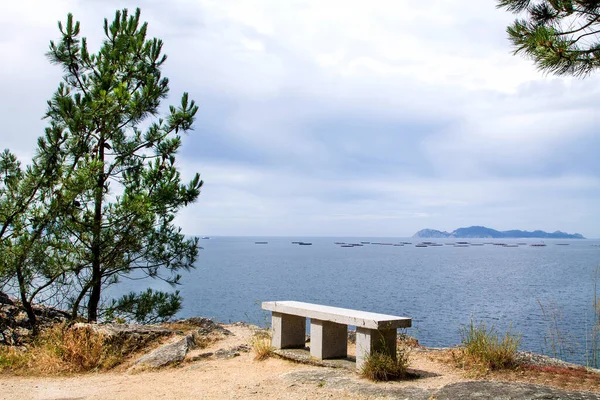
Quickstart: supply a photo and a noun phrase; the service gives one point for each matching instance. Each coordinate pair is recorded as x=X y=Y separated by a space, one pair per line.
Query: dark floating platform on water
x=261 y=242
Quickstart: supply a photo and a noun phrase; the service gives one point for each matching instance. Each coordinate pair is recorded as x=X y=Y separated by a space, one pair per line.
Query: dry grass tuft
x=261 y=345
x=12 y=358
x=483 y=350
x=381 y=366
x=62 y=349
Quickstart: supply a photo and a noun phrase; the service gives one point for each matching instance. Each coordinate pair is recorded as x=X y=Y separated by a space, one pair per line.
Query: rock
x=153 y=331
x=475 y=390
x=232 y=352
x=201 y=356
x=483 y=390
x=4 y=299
x=346 y=381
x=49 y=315
x=205 y=325
x=529 y=358
x=128 y=338
x=222 y=353
x=168 y=354
x=15 y=327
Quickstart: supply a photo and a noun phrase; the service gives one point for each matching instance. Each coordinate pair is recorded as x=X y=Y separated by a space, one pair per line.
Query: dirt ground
x=242 y=377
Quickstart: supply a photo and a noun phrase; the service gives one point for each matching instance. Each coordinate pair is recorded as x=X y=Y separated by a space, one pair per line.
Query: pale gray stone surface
x=345 y=381
x=484 y=390
x=328 y=339
x=329 y=329
x=288 y=331
x=340 y=315
x=168 y=354
x=370 y=340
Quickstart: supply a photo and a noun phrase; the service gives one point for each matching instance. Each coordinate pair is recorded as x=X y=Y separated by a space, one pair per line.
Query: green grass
x=381 y=366
x=483 y=348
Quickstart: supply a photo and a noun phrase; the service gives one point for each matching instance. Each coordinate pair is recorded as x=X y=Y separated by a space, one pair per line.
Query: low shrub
x=483 y=348
x=381 y=366
x=12 y=358
x=63 y=349
x=79 y=348
x=261 y=345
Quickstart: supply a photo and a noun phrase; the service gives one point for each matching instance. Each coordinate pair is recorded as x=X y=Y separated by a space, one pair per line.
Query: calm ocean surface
x=441 y=288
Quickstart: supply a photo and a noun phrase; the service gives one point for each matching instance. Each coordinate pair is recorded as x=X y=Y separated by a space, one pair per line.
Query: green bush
x=484 y=347
x=381 y=366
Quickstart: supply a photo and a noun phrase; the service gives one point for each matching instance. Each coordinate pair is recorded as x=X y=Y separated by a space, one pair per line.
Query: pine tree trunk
x=26 y=304
x=96 y=239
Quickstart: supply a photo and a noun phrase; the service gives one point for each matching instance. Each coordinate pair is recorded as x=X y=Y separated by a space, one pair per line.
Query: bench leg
x=371 y=340
x=328 y=339
x=289 y=331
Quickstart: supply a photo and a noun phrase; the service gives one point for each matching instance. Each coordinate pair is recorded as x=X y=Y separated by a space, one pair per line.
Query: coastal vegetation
x=561 y=37
x=261 y=344
x=483 y=349
x=97 y=203
x=381 y=366
x=63 y=349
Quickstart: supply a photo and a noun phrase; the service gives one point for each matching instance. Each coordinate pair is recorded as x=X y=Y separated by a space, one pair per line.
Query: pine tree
x=30 y=202
x=561 y=36
x=128 y=191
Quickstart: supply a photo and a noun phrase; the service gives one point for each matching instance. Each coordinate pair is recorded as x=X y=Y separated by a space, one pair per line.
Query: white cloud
x=343 y=117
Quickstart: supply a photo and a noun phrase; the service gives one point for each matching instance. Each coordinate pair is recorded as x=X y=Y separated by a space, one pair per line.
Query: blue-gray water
x=441 y=288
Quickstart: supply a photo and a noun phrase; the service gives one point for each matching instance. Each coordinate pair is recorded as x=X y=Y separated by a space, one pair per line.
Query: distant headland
x=475 y=232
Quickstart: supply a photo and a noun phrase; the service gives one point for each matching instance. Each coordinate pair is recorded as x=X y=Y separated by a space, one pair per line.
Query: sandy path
x=241 y=377
x=234 y=378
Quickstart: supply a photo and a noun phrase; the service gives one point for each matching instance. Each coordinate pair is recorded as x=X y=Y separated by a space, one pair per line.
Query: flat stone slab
x=303 y=356
x=345 y=316
x=485 y=390
x=168 y=354
x=346 y=381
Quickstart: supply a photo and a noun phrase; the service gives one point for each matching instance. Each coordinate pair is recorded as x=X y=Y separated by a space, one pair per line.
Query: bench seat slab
x=289 y=331
x=328 y=339
x=339 y=315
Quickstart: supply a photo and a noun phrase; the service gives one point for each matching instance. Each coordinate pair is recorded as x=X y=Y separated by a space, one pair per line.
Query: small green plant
x=483 y=348
x=381 y=366
x=261 y=344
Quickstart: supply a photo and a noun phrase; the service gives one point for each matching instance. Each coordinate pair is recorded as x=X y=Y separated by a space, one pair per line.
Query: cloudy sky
x=344 y=118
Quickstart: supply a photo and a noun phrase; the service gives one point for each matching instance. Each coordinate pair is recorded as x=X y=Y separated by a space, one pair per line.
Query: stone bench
x=329 y=329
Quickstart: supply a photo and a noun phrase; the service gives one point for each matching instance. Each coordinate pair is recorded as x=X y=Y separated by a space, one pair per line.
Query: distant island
x=481 y=232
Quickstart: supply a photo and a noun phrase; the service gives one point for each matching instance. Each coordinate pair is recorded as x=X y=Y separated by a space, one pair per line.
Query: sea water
x=529 y=290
